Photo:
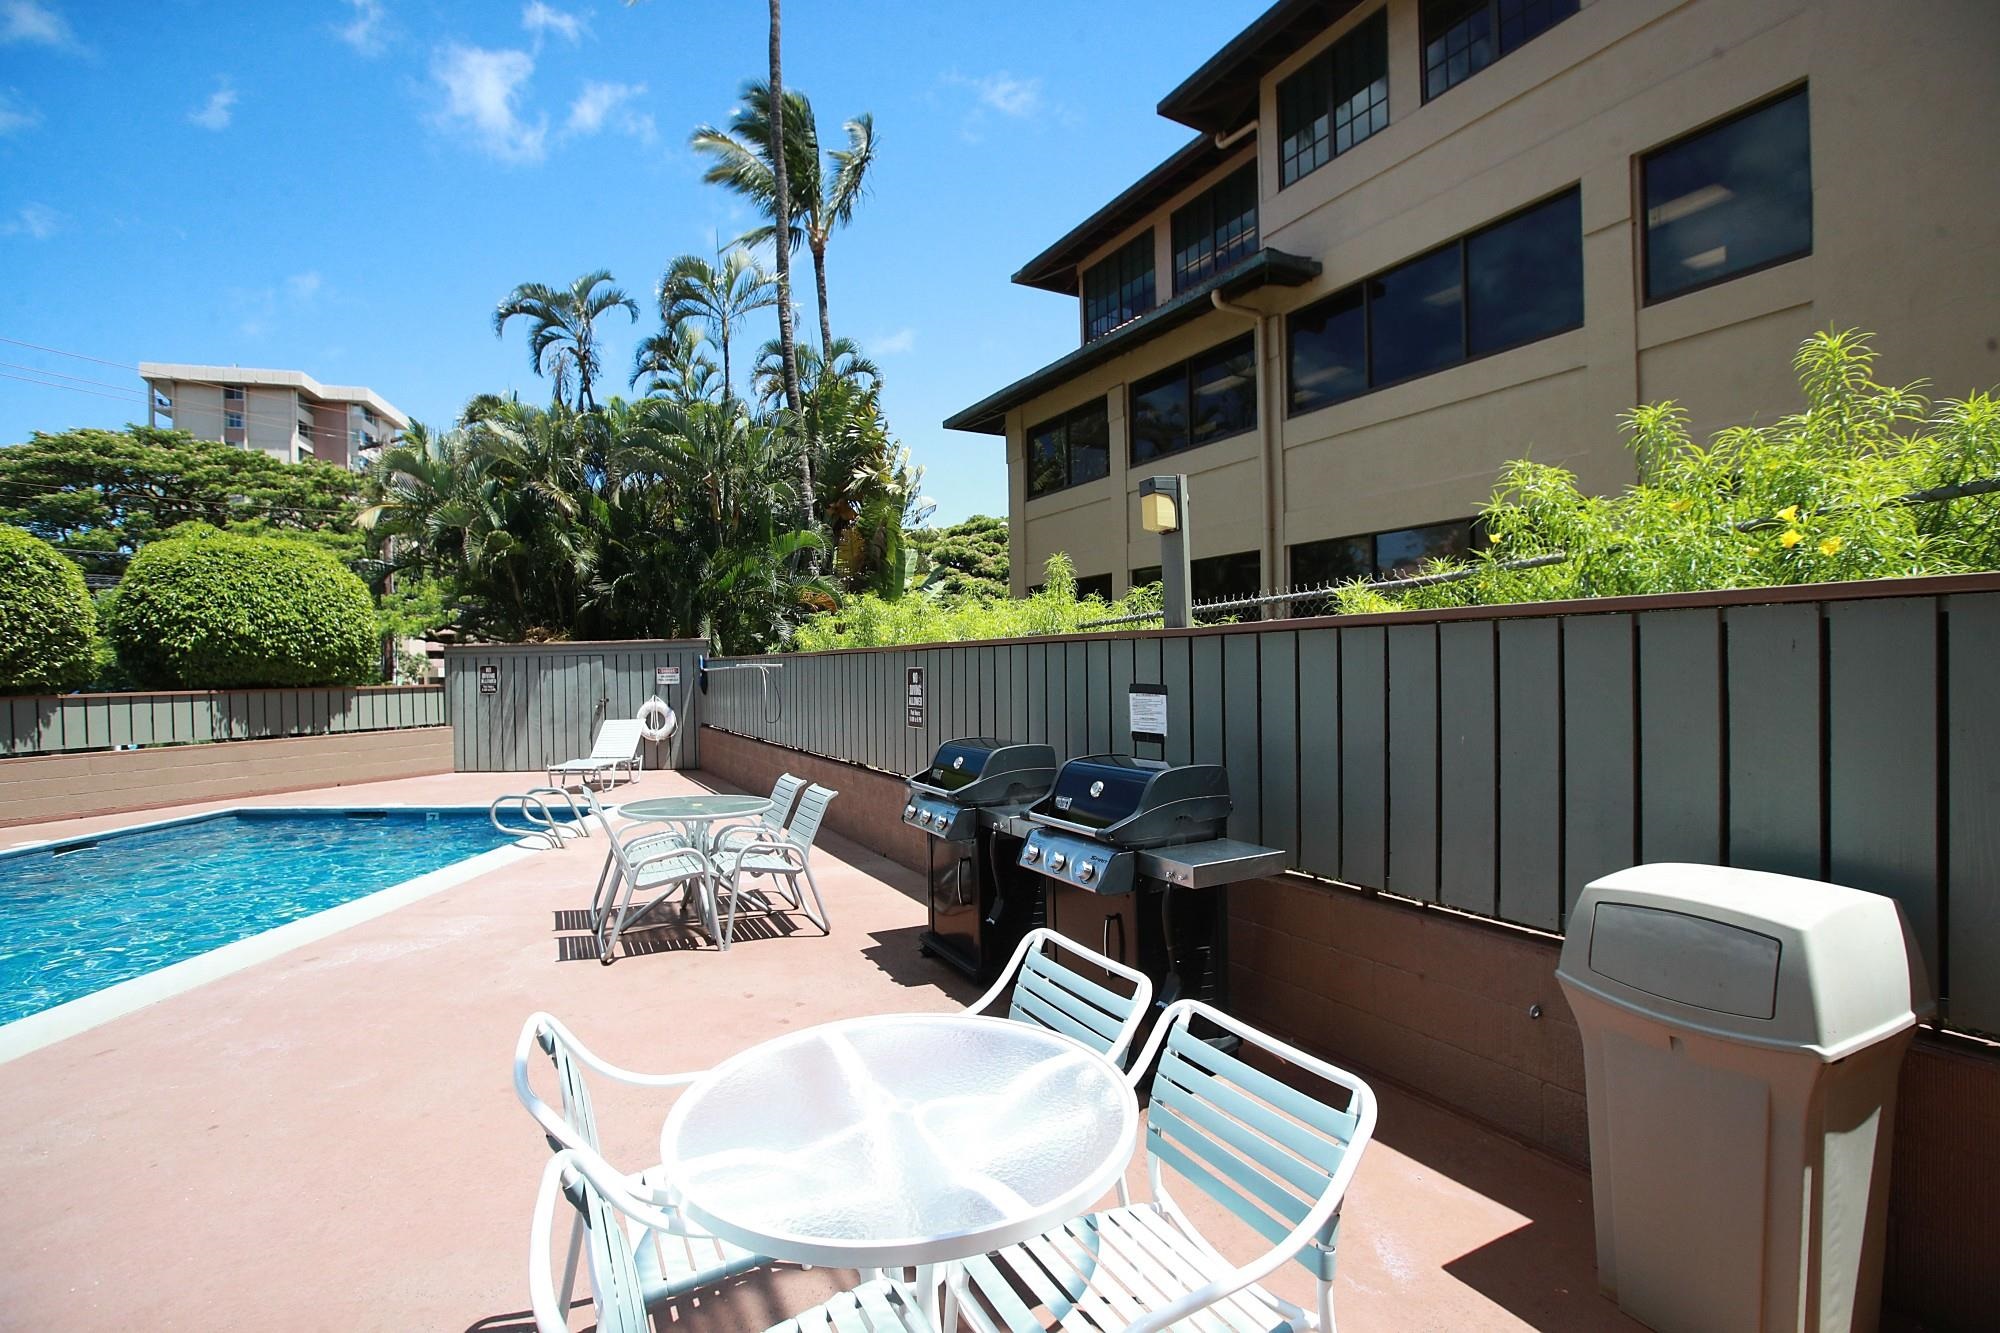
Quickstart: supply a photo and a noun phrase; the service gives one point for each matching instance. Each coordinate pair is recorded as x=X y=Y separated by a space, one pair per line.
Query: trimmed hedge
x=47 y=623
x=210 y=610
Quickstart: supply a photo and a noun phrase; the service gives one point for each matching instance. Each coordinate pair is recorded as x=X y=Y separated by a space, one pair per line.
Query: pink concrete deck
x=329 y=1139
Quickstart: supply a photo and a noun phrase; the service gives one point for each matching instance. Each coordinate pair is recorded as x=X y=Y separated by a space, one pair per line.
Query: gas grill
x=1130 y=850
x=970 y=801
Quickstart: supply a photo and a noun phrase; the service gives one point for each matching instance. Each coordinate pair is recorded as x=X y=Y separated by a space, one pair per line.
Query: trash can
x=1742 y=1034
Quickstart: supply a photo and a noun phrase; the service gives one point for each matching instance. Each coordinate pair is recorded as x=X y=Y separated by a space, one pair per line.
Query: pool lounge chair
x=618 y=744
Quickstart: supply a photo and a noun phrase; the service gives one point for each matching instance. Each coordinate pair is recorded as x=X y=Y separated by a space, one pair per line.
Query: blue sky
x=348 y=187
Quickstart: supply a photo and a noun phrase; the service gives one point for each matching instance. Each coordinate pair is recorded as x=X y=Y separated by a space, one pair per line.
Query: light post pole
x=1163 y=508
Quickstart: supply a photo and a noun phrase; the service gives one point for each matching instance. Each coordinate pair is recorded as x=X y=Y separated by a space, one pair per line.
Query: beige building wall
x=1906 y=224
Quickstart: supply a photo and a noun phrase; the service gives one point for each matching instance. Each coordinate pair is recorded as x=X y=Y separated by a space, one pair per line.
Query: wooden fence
x=63 y=723
x=520 y=707
x=1495 y=760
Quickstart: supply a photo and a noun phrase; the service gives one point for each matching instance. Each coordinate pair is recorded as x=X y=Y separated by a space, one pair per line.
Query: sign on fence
x=666 y=675
x=489 y=678
x=1147 y=707
x=914 y=691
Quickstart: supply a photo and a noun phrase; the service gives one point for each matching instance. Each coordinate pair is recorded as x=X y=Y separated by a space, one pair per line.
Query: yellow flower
x=1681 y=506
x=1791 y=538
x=1790 y=513
x=1494 y=537
x=1832 y=545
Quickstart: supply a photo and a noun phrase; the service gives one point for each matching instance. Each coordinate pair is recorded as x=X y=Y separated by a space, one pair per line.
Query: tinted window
x=1223 y=576
x=1404 y=552
x=1525 y=276
x=1144 y=575
x=1379 y=555
x=1094 y=585
x=1416 y=317
x=1336 y=560
x=1223 y=384
x=1334 y=102
x=1328 y=351
x=1462 y=37
x=1045 y=458
x=1730 y=199
x=1119 y=287
x=1215 y=230
x=1159 y=415
x=1089 y=432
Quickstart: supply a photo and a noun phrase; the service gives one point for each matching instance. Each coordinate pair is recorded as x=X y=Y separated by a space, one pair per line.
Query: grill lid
x=1128 y=802
x=987 y=770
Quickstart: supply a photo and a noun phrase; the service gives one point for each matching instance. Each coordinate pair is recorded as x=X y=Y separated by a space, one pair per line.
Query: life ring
x=656 y=719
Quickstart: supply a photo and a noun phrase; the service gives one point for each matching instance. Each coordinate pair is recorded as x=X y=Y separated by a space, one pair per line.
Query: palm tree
x=781 y=194
x=824 y=195
x=562 y=335
x=679 y=366
x=846 y=364
x=720 y=295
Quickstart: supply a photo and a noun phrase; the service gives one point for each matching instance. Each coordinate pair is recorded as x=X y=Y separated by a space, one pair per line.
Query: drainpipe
x=1267 y=435
x=1236 y=136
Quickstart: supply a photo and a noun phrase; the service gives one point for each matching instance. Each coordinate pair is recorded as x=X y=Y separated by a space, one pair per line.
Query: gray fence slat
x=1972 y=946
x=1364 y=756
x=1076 y=677
x=1278 y=741
x=1097 y=688
x=1882 y=758
x=1177 y=674
x=1531 y=785
x=1468 y=804
x=1119 y=696
x=1775 y=746
x=1240 y=683
x=1680 y=736
x=1413 y=762
x=1205 y=679
x=1319 y=752
x=1600 y=743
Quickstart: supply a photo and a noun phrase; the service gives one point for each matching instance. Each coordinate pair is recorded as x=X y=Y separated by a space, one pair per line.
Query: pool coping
x=35 y=1031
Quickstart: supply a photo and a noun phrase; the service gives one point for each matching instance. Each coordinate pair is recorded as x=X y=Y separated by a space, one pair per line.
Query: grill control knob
x=1055 y=860
x=1031 y=853
x=1087 y=871
x=910 y=810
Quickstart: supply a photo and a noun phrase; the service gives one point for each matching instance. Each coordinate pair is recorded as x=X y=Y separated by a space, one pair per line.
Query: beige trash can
x=1742 y=1034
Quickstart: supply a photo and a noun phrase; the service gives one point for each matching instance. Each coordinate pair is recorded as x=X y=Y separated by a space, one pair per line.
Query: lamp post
x=1163 y=508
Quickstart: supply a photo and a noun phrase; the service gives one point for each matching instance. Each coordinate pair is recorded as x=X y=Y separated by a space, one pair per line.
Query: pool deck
x=328 y=1138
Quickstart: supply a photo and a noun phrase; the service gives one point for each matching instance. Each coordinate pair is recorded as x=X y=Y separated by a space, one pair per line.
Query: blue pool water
x=82 y=915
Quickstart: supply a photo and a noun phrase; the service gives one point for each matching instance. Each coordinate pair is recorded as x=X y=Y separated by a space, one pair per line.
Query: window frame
x=1492 y=8
x=1184 y=370
x=1142 y=244
x=1207 y=201
x=1325 y=68
x=1473 y=527
x=1800 y=89
x=1100 y=405
x=1463 y=244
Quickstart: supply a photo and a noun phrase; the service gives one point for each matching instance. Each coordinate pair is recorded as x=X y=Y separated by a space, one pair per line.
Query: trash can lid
x=1748 y=955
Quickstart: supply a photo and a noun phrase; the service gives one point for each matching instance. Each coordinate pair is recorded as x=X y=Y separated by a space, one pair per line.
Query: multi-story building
x=1415 y=239
x=285 y=413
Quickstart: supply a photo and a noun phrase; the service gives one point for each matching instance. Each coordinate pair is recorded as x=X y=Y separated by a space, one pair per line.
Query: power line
x=57 y=351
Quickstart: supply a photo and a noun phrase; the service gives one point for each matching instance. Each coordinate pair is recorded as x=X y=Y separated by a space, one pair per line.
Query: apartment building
x=285 y=413
x=1415 y=239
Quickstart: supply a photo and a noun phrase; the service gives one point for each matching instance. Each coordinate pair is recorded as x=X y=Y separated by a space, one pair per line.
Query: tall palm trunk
x=787 y=337
x=818 y=245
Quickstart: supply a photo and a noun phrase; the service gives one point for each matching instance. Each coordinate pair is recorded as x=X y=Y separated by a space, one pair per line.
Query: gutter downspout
x=1235 y=136
x=1267 y=436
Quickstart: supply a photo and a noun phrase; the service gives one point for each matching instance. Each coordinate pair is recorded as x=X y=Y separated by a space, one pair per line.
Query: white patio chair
x=1053 y=996
x=618 y=745
x=640 y=865
x=784 y=795
x=1277 y=1158
x=785 y=856
x=616 y=1224
x=679 y=1257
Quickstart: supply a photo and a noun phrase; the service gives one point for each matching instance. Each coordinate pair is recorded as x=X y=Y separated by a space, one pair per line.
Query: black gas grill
x=970 y=801
x=1133 y=854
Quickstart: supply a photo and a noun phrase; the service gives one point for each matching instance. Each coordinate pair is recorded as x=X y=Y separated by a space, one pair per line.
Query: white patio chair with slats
x=772 y=823
x=1059 y=998
x=677 y=1257
x=1279 y=1159
x=784 y=857
x=614 y=1225
x=637 y=865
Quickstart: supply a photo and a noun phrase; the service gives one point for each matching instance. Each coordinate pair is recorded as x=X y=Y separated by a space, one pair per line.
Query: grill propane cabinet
x=970 y=801
x=1134 y=858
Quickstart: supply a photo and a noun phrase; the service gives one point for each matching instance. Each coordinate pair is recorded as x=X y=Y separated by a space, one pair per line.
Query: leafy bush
x=1819 y=496
x=932 y=617
x=47 y=624
x=202 y=609
x=968 y=558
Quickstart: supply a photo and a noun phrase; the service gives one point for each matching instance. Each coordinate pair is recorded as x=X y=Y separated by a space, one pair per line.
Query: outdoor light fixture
x=1158 y=512
x=1163 y=510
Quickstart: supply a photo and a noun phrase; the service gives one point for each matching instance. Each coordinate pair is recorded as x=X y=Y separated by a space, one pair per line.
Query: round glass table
x=900 y=1140
x=691 y=816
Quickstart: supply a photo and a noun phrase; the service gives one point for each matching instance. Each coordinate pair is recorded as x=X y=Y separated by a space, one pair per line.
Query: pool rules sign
x=913 y=691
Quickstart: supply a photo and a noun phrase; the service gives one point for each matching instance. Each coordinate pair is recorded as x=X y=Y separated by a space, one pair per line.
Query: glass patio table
x=691 y=816
x=899 y=1141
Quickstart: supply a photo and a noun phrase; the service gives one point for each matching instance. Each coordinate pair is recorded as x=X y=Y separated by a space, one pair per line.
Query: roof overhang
x=1221 y=96
x=1054 y=269
x=1265 y=268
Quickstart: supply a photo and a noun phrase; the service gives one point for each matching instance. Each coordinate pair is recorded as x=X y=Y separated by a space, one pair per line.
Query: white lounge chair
x=1276 y=1157
x=619 y=741
x=673 y=1259
x=785 y=856
x=1053 y=996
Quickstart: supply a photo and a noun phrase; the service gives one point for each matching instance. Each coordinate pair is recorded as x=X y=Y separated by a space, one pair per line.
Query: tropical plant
x=1834 y=491
x=874 y=622
x=845 y=364
x=823 y=195
x=676 y=366
x=781 y=210
x=965 y=559
x=714 y=297
x=562 y=328
x=47 y=624
x=206 y=609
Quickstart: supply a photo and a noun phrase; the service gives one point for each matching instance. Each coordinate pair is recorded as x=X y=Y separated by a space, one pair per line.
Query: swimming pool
x=82 y=914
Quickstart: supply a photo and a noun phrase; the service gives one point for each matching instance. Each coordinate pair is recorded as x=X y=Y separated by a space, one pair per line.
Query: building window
x=1219 y=576
x=1204 y=399
x=1335 y=101
x=1094 y=585
x=1380 y=555
x=1515 y=281
x=232 y=420
x=1118 y=288
x=1070 y=449
x=1144 y=575
x=1217 y=229
x=1462 y=37
x=231 y=395
x=1729 y=200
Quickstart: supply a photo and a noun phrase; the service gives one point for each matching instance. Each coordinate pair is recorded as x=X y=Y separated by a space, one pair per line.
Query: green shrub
x=939 y=617
x=46 y=621
x=204 y=609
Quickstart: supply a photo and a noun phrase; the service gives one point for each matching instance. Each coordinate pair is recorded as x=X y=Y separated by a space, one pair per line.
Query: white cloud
x=481 y=91
x=215 y=113
x=303 y=287
x=1002 y=92
x=364 y=33
x=600 y=104
x=16 y=115
x=541 y=19
x=33 y=22
x=902 y=340
x=36 y=221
